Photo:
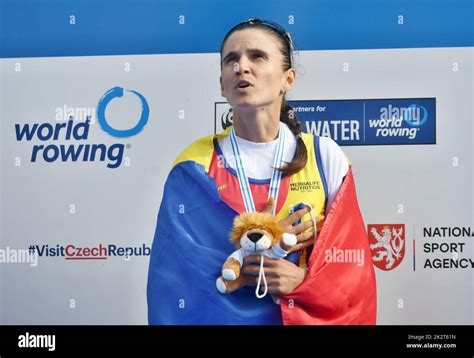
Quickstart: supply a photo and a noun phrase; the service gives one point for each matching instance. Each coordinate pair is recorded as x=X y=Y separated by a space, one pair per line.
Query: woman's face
x=252 y=70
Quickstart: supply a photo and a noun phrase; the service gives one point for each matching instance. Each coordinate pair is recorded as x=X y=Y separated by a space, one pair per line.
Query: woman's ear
x=290 y=78
x=222 y=86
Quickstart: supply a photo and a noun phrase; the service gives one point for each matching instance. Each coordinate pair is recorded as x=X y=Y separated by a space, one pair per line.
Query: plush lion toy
x=256 y=233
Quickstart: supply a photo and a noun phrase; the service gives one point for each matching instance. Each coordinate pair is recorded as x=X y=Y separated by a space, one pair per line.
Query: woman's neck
x=258 y=126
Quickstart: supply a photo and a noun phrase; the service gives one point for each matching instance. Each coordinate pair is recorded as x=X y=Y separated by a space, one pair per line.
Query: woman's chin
x=244 y=104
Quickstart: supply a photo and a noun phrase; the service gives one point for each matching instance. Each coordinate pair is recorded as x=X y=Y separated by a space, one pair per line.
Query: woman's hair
x=287 y=114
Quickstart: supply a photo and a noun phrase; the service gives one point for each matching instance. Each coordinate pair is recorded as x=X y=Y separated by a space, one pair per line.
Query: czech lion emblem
x=387 y=245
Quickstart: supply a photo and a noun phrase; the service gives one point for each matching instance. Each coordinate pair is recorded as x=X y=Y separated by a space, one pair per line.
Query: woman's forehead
x=251 y=39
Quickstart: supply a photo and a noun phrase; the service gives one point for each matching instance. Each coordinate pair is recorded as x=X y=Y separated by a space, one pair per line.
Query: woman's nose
x=242 y=66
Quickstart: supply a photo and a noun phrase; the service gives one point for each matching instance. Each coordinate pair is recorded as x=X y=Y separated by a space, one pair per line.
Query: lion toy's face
x=255 y=231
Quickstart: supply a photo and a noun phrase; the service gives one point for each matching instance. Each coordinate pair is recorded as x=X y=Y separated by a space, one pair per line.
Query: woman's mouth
x=243 y=86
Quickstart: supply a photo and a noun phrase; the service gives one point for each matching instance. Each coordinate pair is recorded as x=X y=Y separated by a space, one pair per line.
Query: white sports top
x=257 y=159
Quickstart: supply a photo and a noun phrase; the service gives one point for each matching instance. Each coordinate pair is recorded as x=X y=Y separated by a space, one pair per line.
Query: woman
x=220 y=176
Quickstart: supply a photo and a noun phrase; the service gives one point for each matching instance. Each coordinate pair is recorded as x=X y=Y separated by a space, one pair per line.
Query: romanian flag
x=340 y=285
x=191 y=244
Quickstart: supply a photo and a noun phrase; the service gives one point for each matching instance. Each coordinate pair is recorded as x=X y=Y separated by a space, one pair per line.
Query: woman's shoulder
x=335 y=166
x=331 y=146
x=329 y=150
x=199 y=151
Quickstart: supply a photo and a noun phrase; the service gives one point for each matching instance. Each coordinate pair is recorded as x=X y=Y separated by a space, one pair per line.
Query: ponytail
x=287 y=116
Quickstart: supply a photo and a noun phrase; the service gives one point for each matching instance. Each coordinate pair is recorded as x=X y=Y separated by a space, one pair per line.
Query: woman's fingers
x=254 y=270
x=249 y=280
x=302 y=227
x=297 y=215
x=305 y=236
x=301 y=246
x=250 y=270
x=252 y=260
x=290 y=219
x=255 y=260
x=307 y=224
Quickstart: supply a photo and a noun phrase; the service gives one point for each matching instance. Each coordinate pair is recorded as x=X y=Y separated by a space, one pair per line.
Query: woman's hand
x=282 y=276
x=304 y=238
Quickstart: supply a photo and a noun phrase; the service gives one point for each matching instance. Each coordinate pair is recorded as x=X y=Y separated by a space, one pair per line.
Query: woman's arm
x=282 y=276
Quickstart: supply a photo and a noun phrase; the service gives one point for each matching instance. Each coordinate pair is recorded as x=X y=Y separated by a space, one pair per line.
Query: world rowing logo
x=68 y=141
